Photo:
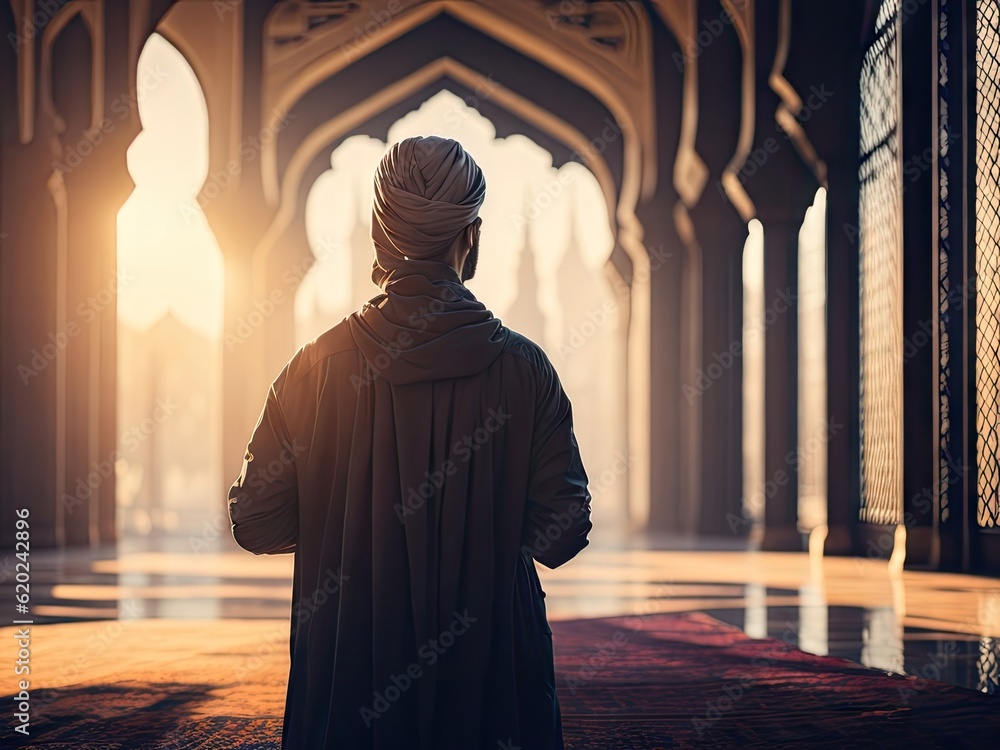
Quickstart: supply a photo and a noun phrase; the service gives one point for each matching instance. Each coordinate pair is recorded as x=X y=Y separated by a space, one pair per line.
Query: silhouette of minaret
x=525 y=316
x=579 y=294
x=179 y=447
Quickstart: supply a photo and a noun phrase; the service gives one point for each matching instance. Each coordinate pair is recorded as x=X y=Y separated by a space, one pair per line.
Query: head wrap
x=427 y=190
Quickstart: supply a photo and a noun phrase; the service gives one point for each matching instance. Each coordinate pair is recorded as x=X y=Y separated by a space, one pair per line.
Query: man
x=416 y=458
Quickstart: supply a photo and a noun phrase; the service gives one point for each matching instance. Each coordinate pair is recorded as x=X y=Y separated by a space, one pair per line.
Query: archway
x=169 y=314
x=545 y=243
x=567 y=88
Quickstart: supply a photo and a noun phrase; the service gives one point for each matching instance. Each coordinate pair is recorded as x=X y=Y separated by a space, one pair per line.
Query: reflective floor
x=939 y=626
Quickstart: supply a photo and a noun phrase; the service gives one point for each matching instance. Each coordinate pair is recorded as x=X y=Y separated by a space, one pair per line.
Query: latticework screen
x=988 y=261
x=945 y=250
x=987 y=665
x=880 y=235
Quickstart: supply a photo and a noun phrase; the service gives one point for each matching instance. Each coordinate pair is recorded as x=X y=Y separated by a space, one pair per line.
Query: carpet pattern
x=633 y=683
x=688 y=680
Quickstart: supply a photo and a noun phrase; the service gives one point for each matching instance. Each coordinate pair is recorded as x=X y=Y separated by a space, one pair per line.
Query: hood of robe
x=426 y=326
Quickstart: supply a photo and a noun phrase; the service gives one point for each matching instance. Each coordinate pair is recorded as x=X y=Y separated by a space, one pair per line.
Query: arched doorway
x=169 y=314
x=546 y=239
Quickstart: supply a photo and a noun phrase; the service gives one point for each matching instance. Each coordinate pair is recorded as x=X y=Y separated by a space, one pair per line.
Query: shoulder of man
x=333 y=341
x=521 y=346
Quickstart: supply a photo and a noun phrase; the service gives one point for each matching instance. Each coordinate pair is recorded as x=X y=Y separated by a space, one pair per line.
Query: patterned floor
x=856 y=608
x=636 y=682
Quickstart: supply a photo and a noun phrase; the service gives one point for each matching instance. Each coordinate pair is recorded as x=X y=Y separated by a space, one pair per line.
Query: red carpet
x=688 y=680
x=673 y=680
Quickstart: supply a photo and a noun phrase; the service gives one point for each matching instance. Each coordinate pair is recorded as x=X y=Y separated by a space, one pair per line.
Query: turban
x=427 y=190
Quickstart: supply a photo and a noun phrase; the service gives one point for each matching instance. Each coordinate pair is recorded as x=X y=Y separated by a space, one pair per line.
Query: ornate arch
x=93 y=20
x=741 y=13
x=217 y=62
x=605 y=48
x=299 y=41
x=621 y=213
x=790 y=106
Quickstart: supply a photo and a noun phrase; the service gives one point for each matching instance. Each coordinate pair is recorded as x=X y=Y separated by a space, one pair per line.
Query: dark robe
x=417 y=458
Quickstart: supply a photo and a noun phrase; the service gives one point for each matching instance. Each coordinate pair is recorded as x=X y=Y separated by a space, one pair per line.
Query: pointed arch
x=621 y=208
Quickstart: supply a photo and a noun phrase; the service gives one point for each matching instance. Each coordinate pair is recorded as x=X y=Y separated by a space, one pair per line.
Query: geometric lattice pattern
x=989 y=671
x=880 y=275
x=945 y=250
x=988 y=261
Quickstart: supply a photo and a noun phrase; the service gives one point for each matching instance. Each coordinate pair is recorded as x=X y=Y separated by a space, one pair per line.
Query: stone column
x=782 y=188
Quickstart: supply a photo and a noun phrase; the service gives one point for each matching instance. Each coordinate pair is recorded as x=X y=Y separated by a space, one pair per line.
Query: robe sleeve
x=263 y=502
x=557 y=515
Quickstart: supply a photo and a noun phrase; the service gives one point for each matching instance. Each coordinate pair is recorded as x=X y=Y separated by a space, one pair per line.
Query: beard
x=469 y=267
